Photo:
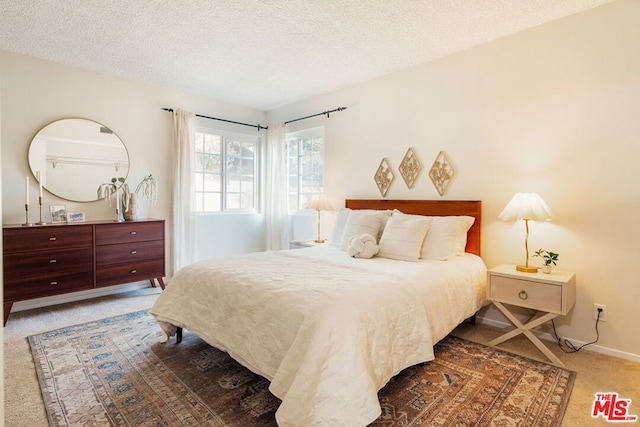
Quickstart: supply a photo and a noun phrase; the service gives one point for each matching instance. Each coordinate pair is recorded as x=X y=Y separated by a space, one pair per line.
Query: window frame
x=316 y=132
x=226 y=137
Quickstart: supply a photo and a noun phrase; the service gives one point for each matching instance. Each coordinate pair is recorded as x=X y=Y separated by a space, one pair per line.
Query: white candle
x=26 y=192
x=40 y=184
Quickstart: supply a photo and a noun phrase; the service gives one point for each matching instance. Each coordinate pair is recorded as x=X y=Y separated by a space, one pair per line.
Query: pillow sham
x=447 y=236
x=338 y=227
x=363 y=222
x=403 y=236
x=461 y=241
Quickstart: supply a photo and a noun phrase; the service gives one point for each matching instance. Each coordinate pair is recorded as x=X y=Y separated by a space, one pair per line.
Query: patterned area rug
x=115 y=372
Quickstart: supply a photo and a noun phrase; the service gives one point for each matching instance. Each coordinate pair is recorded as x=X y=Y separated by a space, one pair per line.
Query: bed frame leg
x=178 y=335
x=472 y=319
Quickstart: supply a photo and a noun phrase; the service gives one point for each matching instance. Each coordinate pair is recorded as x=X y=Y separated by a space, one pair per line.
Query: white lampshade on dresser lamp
x=319 y=203
x=526 y=206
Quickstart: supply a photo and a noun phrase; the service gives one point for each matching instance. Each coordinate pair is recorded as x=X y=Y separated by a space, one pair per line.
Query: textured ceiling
x=262 y=53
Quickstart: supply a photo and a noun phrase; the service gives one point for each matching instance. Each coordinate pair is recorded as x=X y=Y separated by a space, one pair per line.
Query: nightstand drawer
x=536 y=295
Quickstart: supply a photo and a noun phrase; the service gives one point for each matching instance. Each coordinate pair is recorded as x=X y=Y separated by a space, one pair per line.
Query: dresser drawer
x=536 y=295
x=46 y=238
x=109 y=234
x=129 y=272
x=44 y=286
x=24 y=267
x=127 y=252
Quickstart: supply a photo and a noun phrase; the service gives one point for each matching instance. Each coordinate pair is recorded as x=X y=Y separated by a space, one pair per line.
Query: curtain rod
x=318 y=114
x=260 y=127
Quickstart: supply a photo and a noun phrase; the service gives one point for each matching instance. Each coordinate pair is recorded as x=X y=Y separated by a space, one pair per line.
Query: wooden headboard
x=431 y=208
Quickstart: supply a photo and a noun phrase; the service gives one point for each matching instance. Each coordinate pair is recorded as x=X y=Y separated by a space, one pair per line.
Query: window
x=305 y=166
x=226 y=171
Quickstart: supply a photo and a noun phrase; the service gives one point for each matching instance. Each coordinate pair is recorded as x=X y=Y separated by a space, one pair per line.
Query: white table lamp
x=319 y=203
x=526 y=206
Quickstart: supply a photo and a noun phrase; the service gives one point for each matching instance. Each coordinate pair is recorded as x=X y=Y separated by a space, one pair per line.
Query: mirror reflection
x=75 y=156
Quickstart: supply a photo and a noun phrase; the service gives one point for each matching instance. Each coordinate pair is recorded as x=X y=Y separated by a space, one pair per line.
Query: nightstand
x=299 y=244
x=549 y=295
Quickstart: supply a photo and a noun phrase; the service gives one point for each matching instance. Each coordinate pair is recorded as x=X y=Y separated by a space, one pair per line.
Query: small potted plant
x=548 y=257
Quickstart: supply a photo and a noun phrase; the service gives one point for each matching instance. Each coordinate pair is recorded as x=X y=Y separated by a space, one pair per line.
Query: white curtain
x=183 y=230
x=276 y=211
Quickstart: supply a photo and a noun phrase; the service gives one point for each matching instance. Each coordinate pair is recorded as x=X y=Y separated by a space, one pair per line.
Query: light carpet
x=115 y=372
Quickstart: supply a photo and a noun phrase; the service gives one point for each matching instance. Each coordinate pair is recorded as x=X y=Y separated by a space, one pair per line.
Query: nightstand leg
x=525 y=329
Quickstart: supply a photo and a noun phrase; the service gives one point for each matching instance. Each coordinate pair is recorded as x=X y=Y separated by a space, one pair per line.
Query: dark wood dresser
x=42 y=261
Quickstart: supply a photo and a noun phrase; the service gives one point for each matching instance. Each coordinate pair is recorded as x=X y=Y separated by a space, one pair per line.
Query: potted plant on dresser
x=548 y=257
x=114 y=187
x=146 y=189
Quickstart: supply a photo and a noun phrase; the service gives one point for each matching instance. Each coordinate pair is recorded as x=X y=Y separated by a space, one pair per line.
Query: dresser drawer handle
x=53 y=261
x=134 y=252
x=133 y=233
x=53 y=283
x=134 y=271
x=53 y=238
x=523 y=294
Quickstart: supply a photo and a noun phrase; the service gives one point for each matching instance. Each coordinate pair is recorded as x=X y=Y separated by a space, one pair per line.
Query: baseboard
x=548 y=337
x=77 y=296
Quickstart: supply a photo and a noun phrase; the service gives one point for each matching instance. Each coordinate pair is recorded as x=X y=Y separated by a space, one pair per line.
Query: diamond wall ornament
x=441 y=173
x=384 y=177
x=410 y=167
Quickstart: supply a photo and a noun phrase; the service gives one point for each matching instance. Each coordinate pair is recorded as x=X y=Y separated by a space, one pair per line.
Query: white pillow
x=447 y=236
x=338 y=227
x=360 y=223
x=461 y=241
x=403 y=236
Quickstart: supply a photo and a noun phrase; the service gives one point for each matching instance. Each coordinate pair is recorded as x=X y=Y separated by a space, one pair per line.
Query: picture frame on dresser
x=58 y=214
x=75 y=217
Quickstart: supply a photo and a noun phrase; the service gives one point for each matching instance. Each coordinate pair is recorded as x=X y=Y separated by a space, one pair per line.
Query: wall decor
x=384 y=177
x=441 y=173
x=410 y=167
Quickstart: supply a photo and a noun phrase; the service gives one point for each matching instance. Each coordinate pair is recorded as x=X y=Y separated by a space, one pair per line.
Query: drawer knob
x=53 y=261
x=134 y=252
x=53 y=239
x=53 y=283
x=134 y=271
x=523 y=294
x=134 y=233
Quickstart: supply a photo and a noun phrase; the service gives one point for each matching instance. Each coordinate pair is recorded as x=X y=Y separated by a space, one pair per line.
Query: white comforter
x=327 y=330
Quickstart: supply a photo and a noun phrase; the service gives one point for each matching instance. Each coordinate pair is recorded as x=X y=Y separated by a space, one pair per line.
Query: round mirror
x=72 y=157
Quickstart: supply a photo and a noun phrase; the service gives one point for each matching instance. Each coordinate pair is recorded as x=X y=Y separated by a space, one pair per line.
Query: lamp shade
x=529 y=206
x=319 y=203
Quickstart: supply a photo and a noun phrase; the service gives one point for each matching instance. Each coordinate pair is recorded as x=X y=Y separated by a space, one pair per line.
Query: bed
x=329 y=330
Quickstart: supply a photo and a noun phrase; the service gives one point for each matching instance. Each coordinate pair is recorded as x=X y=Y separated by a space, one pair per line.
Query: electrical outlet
x=603 y=315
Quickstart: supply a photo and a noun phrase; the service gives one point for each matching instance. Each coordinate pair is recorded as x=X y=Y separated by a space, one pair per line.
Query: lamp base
x=526 y=269
x=319 y=241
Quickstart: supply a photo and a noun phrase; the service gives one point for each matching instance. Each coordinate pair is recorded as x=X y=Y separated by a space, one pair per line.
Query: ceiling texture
x=262 y=53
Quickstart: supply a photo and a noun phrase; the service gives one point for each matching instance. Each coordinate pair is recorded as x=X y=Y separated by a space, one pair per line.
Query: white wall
x=35 y=92
x=553 y=110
